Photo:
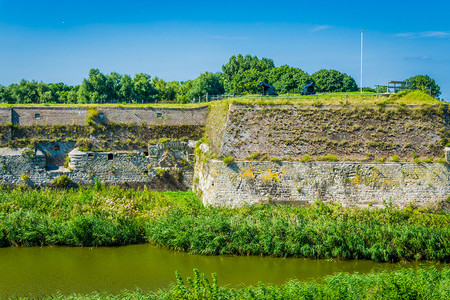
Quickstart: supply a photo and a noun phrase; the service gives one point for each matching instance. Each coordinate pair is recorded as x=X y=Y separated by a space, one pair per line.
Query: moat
x=41 y=271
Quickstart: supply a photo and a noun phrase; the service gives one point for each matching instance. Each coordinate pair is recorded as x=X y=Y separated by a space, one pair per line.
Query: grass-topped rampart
x=360 y=133
x=102 y=216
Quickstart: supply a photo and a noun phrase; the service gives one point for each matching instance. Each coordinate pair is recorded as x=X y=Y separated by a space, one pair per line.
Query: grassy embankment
x=428 y=283
x=352 y=98
x=177 y=220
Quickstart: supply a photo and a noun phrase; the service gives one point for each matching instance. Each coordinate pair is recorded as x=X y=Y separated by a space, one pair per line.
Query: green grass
x=416 y=97
x=177 y=220
x=130 y=105
x=411 y=98
x=424 y=283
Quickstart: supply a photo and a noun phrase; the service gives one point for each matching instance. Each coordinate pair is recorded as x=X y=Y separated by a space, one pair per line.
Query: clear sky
x=59 y=41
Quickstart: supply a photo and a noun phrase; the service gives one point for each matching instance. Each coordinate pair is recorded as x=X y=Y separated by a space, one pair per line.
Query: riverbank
x=427 y=283
x=112 y=216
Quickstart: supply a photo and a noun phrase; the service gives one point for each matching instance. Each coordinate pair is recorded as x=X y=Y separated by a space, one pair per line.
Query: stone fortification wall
x=77 y=115
x=48 y=115
x=16 y=165
x=350 y=183
x=162 y=166
x=155 y=116
x=357 y=133
x=5 y=115
x=171 y=158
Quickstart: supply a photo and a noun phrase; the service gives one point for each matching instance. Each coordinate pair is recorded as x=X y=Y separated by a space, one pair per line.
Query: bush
x=228 y=160
x=92 y=115
x=25 y=177
x=62 y=181
x=327 y=157
x=160 y=172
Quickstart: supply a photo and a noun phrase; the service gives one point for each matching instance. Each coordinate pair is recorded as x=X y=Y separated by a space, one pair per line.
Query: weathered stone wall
x=350 y=183
x=49 y=115
x=356 y=133
x=155 y=115
x=59 y=115
x=168 y=165
x=5 y=115
x=17 y=165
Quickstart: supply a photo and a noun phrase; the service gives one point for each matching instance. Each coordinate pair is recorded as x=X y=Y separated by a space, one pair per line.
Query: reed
x=425 y=283
x=100 y=216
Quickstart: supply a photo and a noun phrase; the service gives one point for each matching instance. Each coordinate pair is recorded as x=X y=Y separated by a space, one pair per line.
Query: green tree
x=126 y=91
x=113 y=86
x=287 y=79
x=72 y=95
x=183 y=89
x=83 y=92
x=425 y=83
x=5 y=95
x=98 y=91
x=349 y=84
x=239 y=64
x=166 y=90
x=206 y=83
x=333 y=81
x=144 y=90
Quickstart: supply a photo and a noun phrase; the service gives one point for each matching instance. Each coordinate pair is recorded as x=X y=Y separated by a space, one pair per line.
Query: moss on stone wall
x=354 y=133
x=97 y=136
x=216 y=124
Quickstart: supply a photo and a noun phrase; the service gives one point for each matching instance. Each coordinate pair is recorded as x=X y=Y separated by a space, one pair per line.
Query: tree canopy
x=425 y=83
x=333 y=81
x=240 y=75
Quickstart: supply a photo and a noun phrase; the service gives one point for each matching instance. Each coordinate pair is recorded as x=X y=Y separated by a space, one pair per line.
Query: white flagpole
x=361 y=85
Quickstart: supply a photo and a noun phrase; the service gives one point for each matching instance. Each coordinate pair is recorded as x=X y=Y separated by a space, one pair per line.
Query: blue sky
x=59 y=41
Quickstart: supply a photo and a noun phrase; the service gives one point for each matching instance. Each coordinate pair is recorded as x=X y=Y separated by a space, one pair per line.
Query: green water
x=43 y=271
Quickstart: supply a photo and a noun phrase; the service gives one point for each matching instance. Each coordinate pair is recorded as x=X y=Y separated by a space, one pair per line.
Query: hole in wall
x=37 y=116
x=145 y=153
x=90 y=155
x=57 y=148
x=110 y=156
x=159 y=115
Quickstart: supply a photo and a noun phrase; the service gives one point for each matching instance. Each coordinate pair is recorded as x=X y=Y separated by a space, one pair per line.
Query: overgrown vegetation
x=102 y=216
x=100 y=137
x=424 y=283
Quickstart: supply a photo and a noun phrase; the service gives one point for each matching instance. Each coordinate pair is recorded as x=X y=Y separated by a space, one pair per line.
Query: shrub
x=395 y=158
x=305 y=158
x=228 y=160
x=25 y=177
x=252 y=156
x=327 y=157
x=92 y=114
x=62 y=181
x=66 y=162
x=160 y=172
x=83 y=144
